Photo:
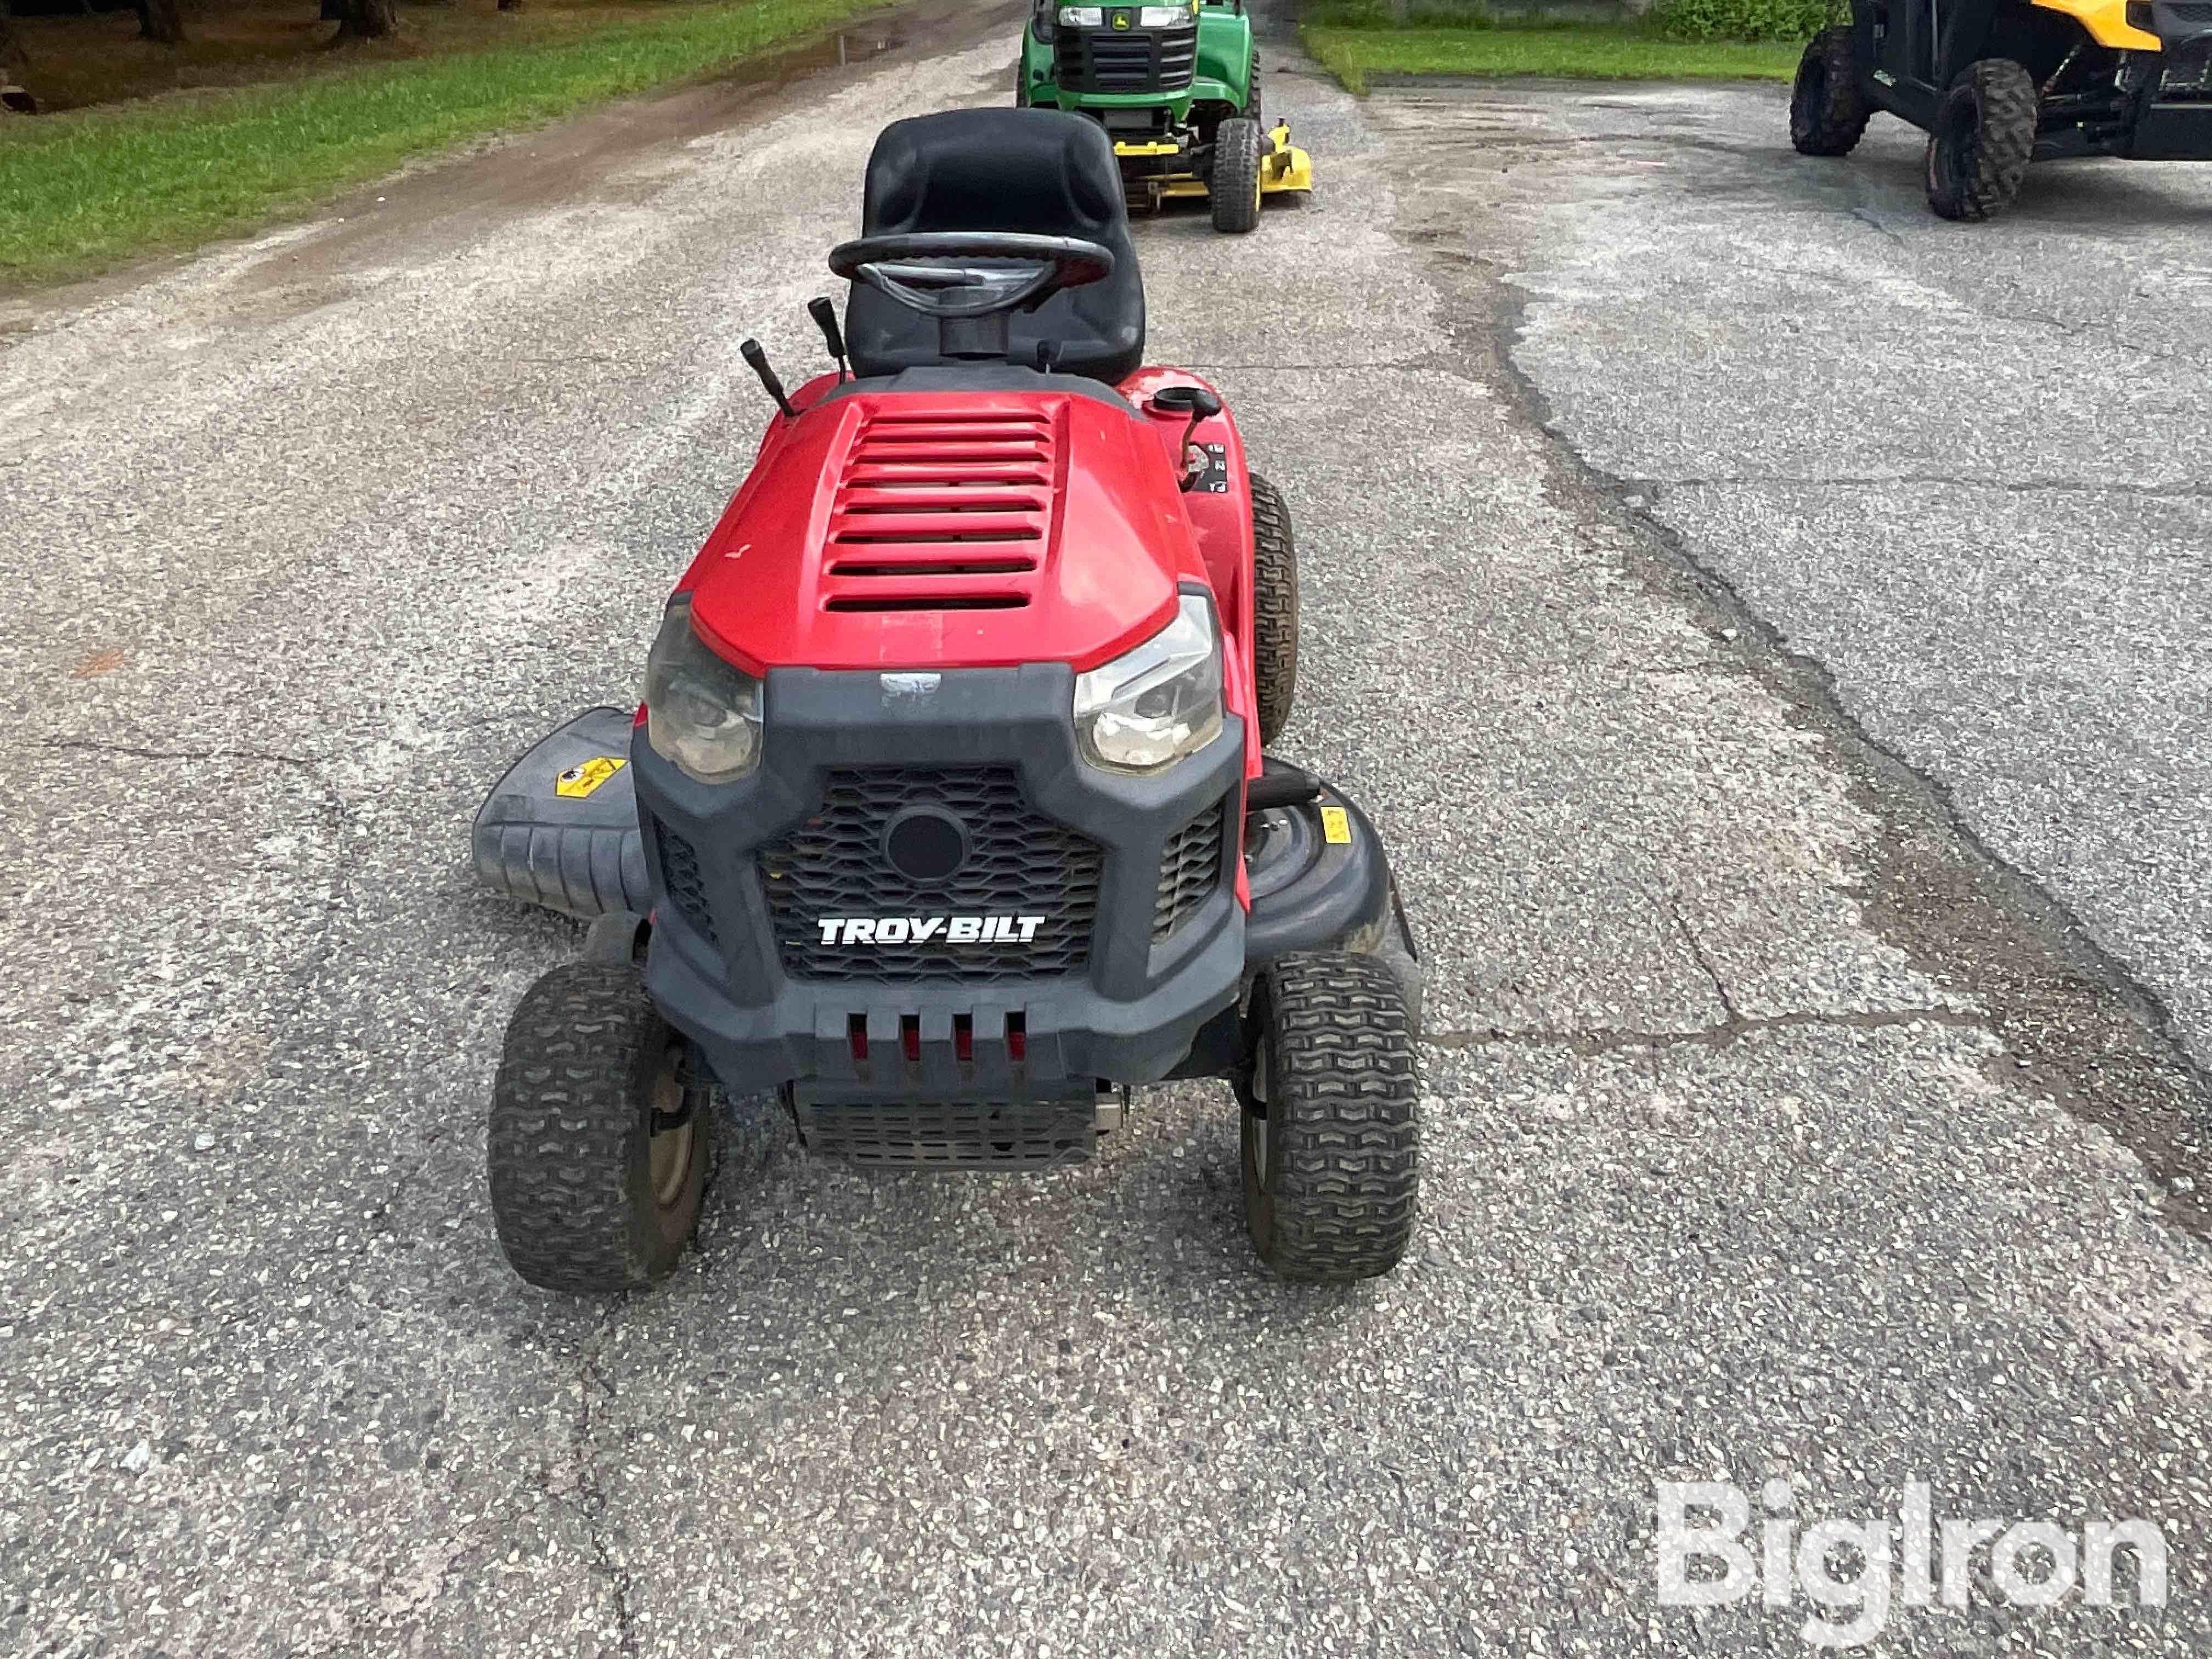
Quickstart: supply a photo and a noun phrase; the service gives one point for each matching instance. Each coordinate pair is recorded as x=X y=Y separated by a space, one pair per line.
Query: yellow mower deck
x=1284 y=169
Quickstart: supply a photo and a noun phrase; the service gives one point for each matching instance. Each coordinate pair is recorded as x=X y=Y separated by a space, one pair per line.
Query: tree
x=14 y=64
x=161 y=21
x=369 y=20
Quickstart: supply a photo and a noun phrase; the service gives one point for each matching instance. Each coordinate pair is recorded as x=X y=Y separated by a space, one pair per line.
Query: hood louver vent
x=941 y=513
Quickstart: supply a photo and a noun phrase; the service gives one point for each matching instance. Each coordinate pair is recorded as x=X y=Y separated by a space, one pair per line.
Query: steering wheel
x=926 y=271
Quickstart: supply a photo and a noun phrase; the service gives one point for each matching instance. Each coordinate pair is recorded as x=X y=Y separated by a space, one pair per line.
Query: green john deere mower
x=1178 y=89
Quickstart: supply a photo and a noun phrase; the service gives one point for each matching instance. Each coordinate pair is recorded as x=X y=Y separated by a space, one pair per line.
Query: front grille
x=1190 y=869
x=1153 y=60
x=2186 y=71
x=961 y=1135
x=681 y=880
x=1020 y=863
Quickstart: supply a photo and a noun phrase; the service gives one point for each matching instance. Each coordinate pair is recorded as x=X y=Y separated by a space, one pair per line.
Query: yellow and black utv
x=1998 y=84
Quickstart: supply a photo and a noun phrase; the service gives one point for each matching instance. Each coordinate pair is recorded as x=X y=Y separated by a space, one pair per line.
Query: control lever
x=825 y=319
x=756 y=361
x=1203 y=406
x=1281 y=785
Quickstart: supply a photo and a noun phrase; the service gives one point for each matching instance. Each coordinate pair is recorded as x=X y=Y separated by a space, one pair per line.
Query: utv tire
x=1330 y=1141
x=1235 y=184
x=1274 y=611
x=1983 y=136
x=586 y=1195
x=1827 y=116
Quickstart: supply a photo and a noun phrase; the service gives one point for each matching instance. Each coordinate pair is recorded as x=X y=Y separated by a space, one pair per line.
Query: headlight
x=700 y=712
x=1162 y=17
x=1083 y=17
x=1158 y=702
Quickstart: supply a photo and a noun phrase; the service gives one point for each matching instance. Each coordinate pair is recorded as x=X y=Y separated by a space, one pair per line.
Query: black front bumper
x=2159 y=107
x=737 y=963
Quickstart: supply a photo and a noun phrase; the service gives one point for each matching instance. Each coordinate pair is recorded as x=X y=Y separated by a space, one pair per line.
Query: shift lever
x=825 y=319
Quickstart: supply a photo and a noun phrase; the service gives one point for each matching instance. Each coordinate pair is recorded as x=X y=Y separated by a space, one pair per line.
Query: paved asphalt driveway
x=1771 y=1130
x=1959 y=467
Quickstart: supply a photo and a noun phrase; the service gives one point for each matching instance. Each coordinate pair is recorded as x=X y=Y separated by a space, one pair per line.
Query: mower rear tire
x=1274 y=611
x=1827 y=115
x=596 y=1152
x=1234 y=185
x=1984 y=136
x=1331 y=1141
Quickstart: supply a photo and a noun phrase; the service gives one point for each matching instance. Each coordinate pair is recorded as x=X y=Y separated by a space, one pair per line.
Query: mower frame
x=945 y=818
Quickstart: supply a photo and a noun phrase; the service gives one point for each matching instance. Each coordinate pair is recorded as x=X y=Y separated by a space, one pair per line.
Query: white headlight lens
x=1158 y=702
x=700 y=712
x=1162 y=17
x=1083 y=17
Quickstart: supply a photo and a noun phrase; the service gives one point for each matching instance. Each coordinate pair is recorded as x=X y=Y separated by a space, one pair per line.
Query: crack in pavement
x=1697 y=950
x=1865 y=216
x=591 y=1499
x=134 y=751
x=331 y=805
x=379 y=1217
x=1605 y=1039
x=580 y=1494
x=1877 y=480
x=1411 y=365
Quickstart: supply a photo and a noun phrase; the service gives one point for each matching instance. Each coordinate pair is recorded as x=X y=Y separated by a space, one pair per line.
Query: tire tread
x=1833 y=124
x=565 y=1132
x=1345 y=1088
x=1234 y=186
x=2002 y=144
x=1274 y=609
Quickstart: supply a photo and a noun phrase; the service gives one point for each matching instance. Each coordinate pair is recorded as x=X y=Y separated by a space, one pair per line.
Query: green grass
x=82 y=189
x=1585 y=52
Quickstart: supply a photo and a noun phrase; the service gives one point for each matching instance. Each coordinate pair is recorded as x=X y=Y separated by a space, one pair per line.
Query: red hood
x=940 y=530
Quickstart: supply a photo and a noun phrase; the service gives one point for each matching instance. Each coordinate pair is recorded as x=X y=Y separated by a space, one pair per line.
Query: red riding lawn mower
x=945 y=817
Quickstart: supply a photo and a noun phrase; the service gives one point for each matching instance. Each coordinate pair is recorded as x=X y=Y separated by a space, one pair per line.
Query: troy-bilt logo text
x=919 y=930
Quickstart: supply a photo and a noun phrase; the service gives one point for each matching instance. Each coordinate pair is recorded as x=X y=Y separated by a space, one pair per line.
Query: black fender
x=1320 y=880
x=617 y=938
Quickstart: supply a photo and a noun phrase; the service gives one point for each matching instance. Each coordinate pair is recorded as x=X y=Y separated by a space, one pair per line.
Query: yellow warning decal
x=579 y=782
x=1335 y=826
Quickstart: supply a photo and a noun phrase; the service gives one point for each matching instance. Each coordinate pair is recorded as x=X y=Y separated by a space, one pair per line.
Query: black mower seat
x=1041 y=172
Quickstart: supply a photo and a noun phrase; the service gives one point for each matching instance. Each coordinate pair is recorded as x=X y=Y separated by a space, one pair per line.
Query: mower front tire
x=1331 y=1150
x=1274 y=611
x=598 y=1147
x=1984 y=136
x=1827 y=115
x=1233 y=184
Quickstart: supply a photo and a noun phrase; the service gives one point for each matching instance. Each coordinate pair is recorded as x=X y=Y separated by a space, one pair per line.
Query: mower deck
x=1156 y=171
